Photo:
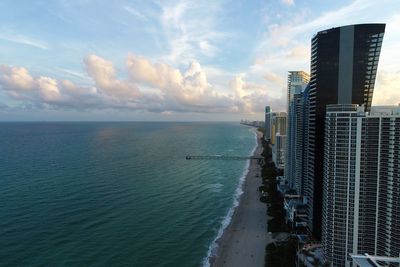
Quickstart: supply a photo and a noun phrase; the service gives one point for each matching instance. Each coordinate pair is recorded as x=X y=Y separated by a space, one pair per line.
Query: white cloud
x=207 y=49
x=19 y=84
x=104 y=76
x=157 y=75
x=387 y=89
x=72 y=90
x=288 y=2
x=252 y=97
x=135 y=12
x=162 y=88
x=16 y=77
x=156 y=87
x=21 y=39
x=301 y=52
x=275 y=78
x=190 y=30
x=71 y=73
x=48 y=88
x=189 y=89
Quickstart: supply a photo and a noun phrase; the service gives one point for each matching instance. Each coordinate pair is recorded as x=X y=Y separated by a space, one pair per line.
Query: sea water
x=116 y=194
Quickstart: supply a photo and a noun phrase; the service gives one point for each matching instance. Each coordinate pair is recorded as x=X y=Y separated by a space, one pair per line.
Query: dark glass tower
x=343 y=69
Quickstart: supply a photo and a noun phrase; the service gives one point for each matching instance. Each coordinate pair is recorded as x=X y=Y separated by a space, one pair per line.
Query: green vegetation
x=278 y=253
x=263 y=199
x=281 y=253
x=263 y=188
x=273 y=198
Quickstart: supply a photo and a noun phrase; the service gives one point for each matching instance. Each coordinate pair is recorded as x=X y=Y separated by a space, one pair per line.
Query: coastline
x=243 y=240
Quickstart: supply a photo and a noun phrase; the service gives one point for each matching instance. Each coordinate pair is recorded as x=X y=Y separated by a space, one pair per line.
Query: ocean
x=116 y=193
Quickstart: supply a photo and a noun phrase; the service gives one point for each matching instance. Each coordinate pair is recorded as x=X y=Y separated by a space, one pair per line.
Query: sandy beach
x=243 y=241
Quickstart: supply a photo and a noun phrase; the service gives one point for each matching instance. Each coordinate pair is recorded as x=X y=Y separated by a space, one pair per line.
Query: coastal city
x=336 y=157
x=186 y=133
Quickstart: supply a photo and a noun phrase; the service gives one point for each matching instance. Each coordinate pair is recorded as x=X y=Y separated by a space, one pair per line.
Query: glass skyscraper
x=344 y=61
x=297 y=82
x=268 y=123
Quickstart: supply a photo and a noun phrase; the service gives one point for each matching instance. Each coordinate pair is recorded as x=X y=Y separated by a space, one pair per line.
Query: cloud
x=24 y=40
x=301 y=52
x=189 y=90
x=16 y=77
x=207 y=49
x=155 y=87
x=275 y=78
x=288 y=2
x=190 y=31
x=104 y=76
x=135 y=12
x=387 y=88
x=252 y=97
x=72 y=73
x=3 y=107
x=157 y=75
x=20 y=85
x=48 y=87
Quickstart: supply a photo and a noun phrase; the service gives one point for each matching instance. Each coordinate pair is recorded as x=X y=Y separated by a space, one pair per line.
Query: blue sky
x=170 y=60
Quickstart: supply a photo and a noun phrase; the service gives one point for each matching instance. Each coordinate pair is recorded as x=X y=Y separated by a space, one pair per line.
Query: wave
x=212 y=249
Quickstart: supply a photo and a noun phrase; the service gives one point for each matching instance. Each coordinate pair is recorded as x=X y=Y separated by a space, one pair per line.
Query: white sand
x=243 y=241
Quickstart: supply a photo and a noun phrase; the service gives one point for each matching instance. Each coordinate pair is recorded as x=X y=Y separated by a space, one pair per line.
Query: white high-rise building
x=361 y=183
x=278 y=139
x=297 y=82
x=279 y=150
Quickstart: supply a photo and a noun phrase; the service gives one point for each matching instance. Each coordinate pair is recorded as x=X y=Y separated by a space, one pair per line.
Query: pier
x=220 y=157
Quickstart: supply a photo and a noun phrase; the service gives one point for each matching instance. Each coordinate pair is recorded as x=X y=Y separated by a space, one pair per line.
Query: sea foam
x=212 y=249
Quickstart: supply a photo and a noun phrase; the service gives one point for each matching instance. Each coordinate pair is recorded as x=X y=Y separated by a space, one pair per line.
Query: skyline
x=179 y=60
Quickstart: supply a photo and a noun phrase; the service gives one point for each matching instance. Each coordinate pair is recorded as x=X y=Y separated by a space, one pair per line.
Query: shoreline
x=243 y=240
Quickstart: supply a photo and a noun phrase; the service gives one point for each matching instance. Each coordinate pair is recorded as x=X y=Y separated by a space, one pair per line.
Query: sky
x=209 y=60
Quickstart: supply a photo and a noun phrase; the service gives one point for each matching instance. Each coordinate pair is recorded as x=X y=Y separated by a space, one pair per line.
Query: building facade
x=279 y=151
x=268 y=123
x=344 y=61
x=361 y=183
x=297 y=82
x=278 y=125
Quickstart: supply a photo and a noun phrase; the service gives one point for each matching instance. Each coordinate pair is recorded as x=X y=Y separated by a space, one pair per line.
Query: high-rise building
x=344 y=61
x=279 y=121
x=297 y=82
x=302 y=164
x=361 y=183
x=279 y=150
x=278 y=125
x=278 y=138
x=268 y=123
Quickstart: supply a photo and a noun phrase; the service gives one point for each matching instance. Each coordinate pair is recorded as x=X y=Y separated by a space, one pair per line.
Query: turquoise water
x=120 y=194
